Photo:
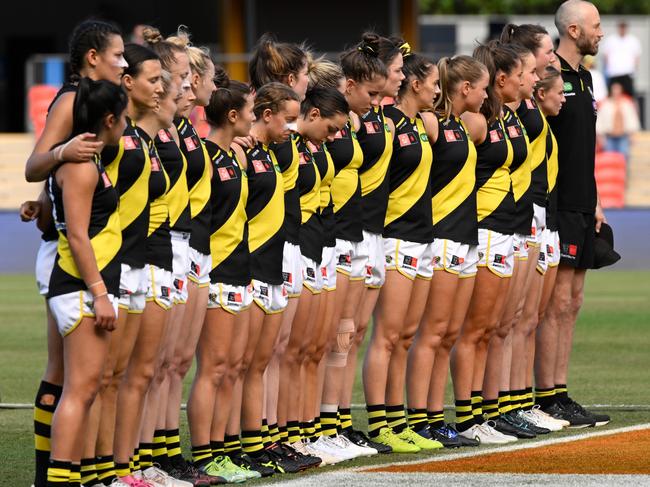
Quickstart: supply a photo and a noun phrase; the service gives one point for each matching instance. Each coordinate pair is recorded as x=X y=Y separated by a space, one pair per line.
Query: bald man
x=579 y=214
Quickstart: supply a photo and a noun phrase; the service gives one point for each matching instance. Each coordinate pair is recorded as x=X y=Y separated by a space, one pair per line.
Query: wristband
x=95 y=283
x=105 y=293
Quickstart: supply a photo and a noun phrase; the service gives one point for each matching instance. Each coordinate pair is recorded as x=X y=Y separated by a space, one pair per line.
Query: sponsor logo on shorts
x=264 y=291
x=569 y=251
x=131 y=143
x=516 y=247
x=195 y=268
x=164 y=136
x=369 y=269
x=407 y=139
x=124 y=292
x=287 y=277
x=542 y=257
x=533 y=231
x=234 y=297
x=550 y=250
x=323 y=271
x=165 y=292
x=284 y=291
x=480 y=255
x=178 y=284
x=311 y=273
x=213 y=298
x=410 y=262
x=499 y=260
x=345 y=259
x=190 y=143
x=249 y=288
x=389 y=259
x=455 y=260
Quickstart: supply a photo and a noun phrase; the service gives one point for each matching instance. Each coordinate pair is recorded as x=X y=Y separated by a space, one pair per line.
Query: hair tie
x=366 y=48
x=405 y=49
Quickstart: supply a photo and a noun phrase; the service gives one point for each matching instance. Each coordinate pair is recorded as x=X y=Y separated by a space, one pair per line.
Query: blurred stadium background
x=33 y=64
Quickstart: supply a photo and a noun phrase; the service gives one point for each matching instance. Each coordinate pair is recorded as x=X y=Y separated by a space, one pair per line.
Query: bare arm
x=78 y=183
x=476 y=126
x=431 y=125
x=241 y=155
x=58 y=127
x=599 y=215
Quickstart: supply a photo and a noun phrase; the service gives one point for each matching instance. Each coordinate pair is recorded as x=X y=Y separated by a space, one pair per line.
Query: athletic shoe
x=247 y=462
x=541 y=420
x=159 y=478
x=336 y=449
x=223 y=467
x=118 y=482
x=410 y=436
x=358 y=450
x=304 y=460
x=598 y=419
x=132 y=481
x=538 y=411
x=360 y=439
x=326 y=456
x=510 y=424
x=486 y=434
x=275 y=457
x=183 y=470
x=387 y=437
x=443 y=435
x=464 y=441
x=576 y=419
x=538 y=430
x=301 y=448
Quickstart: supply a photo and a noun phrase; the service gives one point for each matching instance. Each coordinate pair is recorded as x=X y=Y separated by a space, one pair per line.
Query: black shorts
x=577 y=238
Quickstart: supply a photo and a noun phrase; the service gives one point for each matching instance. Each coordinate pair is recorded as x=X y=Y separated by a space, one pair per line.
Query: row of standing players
x=330 y=196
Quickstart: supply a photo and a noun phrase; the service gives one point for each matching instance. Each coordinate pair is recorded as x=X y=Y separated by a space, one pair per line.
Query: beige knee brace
x=338 y=356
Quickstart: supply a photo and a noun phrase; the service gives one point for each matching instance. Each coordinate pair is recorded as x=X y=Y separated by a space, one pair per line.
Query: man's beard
x=585 y=47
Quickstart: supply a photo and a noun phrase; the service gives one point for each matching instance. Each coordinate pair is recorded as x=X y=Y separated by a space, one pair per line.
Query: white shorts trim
x=312 y=277
x=159 y=286
x=351 y=259
x=271 y=298
x=200 y=267
x=69 y=309
x=549 y=251
x=496 y=252
x=233 y=299
x=133 y=288
x=454 y=257
x=328 y=268
x=292 y=269
x=180 y=265
x=45 y=259
x=376 y=266
x=411 y=259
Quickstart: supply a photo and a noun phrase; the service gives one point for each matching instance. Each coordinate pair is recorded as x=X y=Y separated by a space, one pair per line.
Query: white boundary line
x=509 y=448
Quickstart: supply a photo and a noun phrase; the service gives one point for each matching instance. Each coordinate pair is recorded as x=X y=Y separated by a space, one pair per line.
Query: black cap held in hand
x=604 y=248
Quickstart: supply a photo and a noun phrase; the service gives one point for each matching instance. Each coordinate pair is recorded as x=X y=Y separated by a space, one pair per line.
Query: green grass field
x=610 y=363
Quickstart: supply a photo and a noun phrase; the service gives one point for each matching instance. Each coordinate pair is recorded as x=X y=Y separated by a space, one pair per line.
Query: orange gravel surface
x=622 y=453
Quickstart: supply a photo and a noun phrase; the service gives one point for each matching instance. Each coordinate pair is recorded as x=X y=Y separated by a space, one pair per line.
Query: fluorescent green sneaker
x=387 y=437
x=223 y=467
x=410 y=436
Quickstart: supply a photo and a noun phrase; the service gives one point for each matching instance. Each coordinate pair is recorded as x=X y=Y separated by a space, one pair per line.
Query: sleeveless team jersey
x=198 y=184
x=104 y=233
x=376 y=144
x=229 y=224
x=453 y=183
x=286 y=155
x=265 y=210
x=325 y=165
x=519 y=172
x=552 y=171
x=346 y=188
x=494 y=198
x=536 y=128
x=129 y=169
x=159 y=241
x=408 y=215
x=311 y=227
x=176 y=168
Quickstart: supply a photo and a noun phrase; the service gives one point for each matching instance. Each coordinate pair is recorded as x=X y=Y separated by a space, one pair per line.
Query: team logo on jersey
x=227 y=173
x=515 y=131
x=190 y=143
x=372 y=127
x=107 y=180
x=304 y=158
x=568 y=86
x=311 y=273
x=455 y=260
x=499 y=260
x=261 y=166
x=131 y=143
x=530 y=104
x=496 y=136
x=410 y=262
x=407 y=139
x=234 y=297
x=164 y=136
x=344 y=133
x=453 y=136
x=155 y=164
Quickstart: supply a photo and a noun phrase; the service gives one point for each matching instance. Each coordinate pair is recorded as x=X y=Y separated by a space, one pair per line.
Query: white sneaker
x=541 y=420
x=352 y=448
x=538 y=411
x=159 y=478
x=487 y=435
x=317 y=450
x=325 y=443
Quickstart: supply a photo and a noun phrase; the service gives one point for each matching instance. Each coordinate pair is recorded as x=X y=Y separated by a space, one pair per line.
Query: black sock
x=561 y=393
x=47 y=398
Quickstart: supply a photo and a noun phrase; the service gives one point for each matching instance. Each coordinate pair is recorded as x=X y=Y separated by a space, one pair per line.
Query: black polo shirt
x=575 y=130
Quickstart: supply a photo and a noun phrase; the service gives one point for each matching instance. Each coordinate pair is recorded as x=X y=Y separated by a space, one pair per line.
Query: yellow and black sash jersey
x=536 y=128
x=311 y=226
x=286 y=156
x=453 y=183
x=265 y=210
x=103 y=230
x=159 y=241
x=129 y=167
x=376 y=144
x=176 y=169
x=494 y=198
x=325 y=165
x=519 y=171
x=346 y=188
x=198 y=184
x=552 y=172
x=229 y=226
x=408 y=215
